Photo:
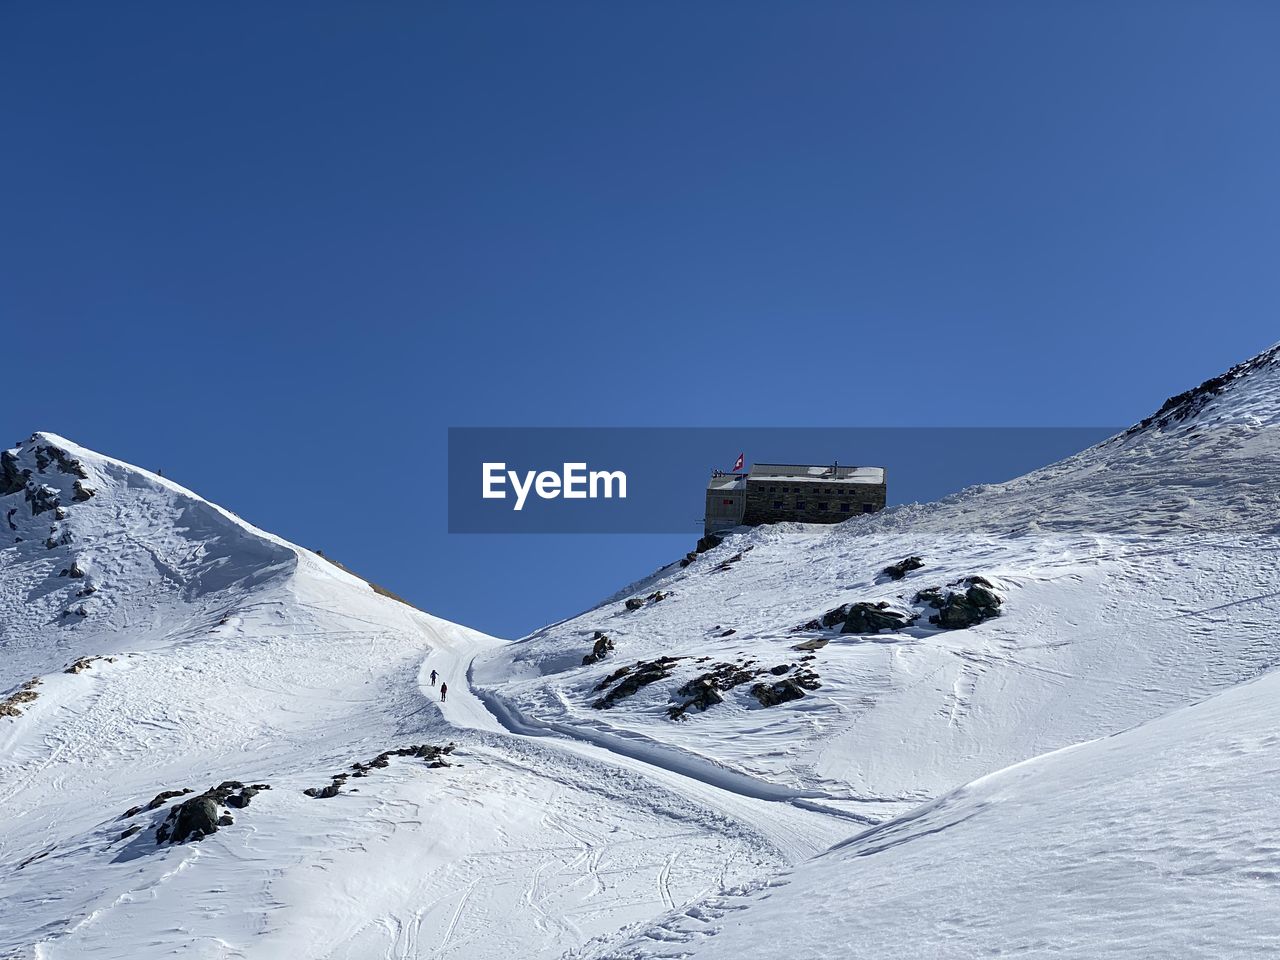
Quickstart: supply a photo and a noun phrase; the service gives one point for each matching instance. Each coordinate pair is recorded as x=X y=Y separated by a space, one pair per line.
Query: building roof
x=727 y=481
x=826 y=473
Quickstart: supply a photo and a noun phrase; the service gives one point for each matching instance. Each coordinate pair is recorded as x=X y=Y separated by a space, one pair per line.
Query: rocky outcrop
x=433 y=755
x=75 y=571
x=601 y=647
x=11 y=705
x=817 y=643
x=870 y=618
x=18 y=477
x=628 y=680
x=159 y=800
x=193 y=819
x=635 y=603
x=787 y=689
x=965 y=603
x=709 y=542
x=85 y=663
x=201 y=816
x=1186 y=405
x=13 y=478
x=896 y=571
x=707 y=689
x=863 y=618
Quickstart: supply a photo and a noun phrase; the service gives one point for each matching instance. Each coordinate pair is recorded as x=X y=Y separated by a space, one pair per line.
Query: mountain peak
x=1224 y=392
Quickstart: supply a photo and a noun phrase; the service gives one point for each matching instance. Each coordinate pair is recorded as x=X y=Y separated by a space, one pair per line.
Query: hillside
x=1157 y=842
x=1134 y=578
x=209 y=652
x=215 y=743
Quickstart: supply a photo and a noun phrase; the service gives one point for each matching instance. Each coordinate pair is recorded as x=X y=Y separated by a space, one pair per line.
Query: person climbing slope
x=433 y=678
x=444 y=692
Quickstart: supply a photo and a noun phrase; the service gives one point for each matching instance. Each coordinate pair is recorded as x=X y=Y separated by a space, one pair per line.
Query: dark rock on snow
x=896 y=571
x=772 y=694
x=966 y=603
x=600 y=648
x=632 y=679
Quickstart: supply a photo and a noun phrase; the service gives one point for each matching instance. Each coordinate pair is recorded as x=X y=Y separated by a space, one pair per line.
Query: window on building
x=727 y=503
x=844 y=508
x=799 y=504
x=777 y=504
x=868 y=508
x=822 y=506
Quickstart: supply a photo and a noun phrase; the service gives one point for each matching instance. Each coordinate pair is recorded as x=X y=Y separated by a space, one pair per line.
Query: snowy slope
x=235 y=656
x=1139 y=586
x=1157 y=842
x=1137 y=577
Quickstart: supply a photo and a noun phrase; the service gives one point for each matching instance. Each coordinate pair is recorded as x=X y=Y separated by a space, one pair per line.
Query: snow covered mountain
x=154 y=643
x=1136 y=577
x=1049 y=732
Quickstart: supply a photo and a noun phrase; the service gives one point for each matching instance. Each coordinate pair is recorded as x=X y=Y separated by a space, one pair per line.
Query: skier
x=444 y=692
x=433 y=678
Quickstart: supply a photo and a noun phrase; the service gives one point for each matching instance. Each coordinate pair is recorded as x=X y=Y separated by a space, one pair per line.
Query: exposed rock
x=85 y=663
x=1187 y=404
x=736 y=558
x=706 y=690
x=772 y=694
x=657 y=595
x=42 y=498
x=635 y=603
x=617 y=674
x=159 y=800
x=874 y=617
x=433 y=755
x=896 y=571
x=859 y=618
x=193 y=819
x=817 y=643
x=13 y=478
x=200 y=816
x=82 y=491
x=700 y=693
x=687 y=559
x=962 y=604
x=708 y=542
x=600 y=649
x=9 y=706
x=644 y=673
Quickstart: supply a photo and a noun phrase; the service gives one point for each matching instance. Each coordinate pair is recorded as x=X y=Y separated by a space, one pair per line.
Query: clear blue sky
x=276 y=249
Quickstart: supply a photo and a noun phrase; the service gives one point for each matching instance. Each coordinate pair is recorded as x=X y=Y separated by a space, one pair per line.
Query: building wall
x=774 y=500
x=724 y=510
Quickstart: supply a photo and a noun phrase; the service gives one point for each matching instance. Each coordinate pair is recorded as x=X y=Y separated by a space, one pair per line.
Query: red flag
x=738 y=463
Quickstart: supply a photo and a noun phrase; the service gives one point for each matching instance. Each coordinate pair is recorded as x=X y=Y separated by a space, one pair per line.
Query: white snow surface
x=1092 y=773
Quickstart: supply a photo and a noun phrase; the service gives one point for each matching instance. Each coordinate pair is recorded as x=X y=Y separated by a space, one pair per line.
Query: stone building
x=774 y=492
